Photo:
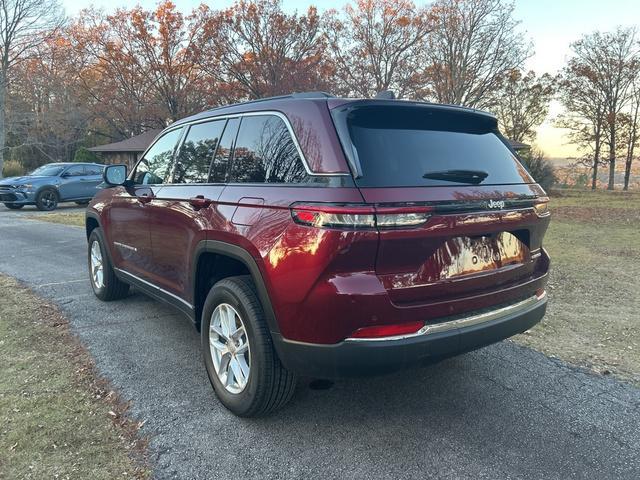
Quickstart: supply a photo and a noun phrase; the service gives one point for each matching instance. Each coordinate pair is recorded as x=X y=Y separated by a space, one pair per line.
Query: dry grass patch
x=593 y=318
x=58 y=419
x=75 y=218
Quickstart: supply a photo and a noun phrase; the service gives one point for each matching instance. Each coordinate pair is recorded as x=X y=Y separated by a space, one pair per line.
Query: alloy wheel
x=48 y=199
x=229 y=345
x=97 y=269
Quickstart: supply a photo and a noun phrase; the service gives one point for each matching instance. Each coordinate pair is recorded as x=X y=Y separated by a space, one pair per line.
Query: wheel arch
x=92 y=221
x=239 y=262
x=48 y=186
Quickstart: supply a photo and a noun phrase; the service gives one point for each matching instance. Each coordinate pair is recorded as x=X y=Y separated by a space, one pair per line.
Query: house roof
x=139 y=143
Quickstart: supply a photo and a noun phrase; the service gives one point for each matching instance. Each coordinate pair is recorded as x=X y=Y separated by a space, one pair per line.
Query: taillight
x=384 y=331
x=330 y=216
x=359 y=216
x=541 y=207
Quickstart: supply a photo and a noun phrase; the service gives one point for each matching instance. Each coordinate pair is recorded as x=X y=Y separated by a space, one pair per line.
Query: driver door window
x=155 y=167
x=75 y=171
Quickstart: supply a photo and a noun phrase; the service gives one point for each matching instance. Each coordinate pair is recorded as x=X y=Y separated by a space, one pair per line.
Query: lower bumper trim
x=365 y=358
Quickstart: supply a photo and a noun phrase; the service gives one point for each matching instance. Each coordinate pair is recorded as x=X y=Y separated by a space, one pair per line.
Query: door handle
x=144 y=198
x=199 y=202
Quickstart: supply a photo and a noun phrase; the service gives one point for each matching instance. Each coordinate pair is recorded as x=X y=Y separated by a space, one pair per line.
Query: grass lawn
x=593 y=318
x=57 y=419
x=74 y=218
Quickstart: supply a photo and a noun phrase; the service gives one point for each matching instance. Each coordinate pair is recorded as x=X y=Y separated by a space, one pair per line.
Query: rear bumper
x=372 y=357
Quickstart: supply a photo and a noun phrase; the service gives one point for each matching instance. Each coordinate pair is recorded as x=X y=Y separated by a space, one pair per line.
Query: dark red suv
x=320 y=236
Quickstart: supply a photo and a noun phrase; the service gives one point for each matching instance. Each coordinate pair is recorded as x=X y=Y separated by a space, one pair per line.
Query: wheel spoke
x=237 y=372
x=218 y=331
x=237 y=334
x=224 y=322
x=242 y=349
x=224 y=363
x=244 y=366
x=219 y=346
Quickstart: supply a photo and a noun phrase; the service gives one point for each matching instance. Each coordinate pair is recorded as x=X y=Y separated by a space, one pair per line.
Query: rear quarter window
x=396 y=146
x=265 y=152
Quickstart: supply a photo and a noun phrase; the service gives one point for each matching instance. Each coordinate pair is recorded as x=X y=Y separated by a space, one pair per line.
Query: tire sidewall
x=241 y=402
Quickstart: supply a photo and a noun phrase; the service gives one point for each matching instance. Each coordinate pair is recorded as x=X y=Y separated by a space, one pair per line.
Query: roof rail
x=312 y=95
x=279 y=97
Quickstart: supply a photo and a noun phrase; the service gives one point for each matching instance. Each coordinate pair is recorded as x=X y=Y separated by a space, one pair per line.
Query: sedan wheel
x=230 y=350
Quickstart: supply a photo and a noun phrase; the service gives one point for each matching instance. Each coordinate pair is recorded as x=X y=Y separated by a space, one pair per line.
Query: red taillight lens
x=359 y=216
x=382 y=331
x=355 y=217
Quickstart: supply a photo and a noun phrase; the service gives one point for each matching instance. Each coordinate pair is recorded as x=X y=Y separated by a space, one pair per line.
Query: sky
x=551 y=26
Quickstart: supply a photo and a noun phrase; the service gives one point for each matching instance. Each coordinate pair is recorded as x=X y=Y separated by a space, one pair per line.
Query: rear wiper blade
x=473 y=177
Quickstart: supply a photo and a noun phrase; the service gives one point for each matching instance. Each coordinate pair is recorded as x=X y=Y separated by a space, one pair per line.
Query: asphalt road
x=501 y=412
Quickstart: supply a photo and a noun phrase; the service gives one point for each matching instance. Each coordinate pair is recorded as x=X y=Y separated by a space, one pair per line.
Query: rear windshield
x=399 y=146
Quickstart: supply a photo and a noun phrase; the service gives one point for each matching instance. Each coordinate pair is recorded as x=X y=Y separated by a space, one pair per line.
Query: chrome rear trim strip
x=463 y=322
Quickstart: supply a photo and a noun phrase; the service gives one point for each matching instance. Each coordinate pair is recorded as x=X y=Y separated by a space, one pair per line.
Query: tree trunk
x=3 y=137
x=596 y=159
x=612 y=157
x=633 y=138
x=627 y=170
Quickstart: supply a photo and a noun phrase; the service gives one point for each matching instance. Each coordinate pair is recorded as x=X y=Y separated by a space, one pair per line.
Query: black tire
x=83 y=202
x=112 y=288
x=47 y=199
x=14 y=206
x=269 y=386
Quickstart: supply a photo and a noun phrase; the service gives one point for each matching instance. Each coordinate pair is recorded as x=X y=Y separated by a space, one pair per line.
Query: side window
x=154 y=168
x=221 y=160
x=265 y=152
x=196 y=152
x=93 y=170
x=74 y=171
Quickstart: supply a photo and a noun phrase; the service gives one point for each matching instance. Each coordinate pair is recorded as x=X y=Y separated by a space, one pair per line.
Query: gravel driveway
x=501 y=412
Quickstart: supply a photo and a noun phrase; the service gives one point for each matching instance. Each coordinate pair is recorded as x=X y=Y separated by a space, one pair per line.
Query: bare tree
x=24 y=24
x=523 y=103
x=473 y=45
x=633 y=134
x=378 y=45
x=585 y=116
x=610 y=62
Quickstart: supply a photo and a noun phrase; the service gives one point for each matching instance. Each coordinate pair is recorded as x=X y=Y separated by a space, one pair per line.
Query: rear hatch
x=486 y=214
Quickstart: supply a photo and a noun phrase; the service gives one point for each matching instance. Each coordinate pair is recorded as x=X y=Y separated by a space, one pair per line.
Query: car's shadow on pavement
x=504 y=411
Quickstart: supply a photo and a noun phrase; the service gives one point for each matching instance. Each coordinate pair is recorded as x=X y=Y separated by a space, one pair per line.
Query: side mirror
x=114 y=175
